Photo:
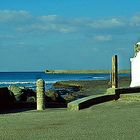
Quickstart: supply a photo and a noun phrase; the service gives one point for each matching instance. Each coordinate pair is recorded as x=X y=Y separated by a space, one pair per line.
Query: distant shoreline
x=84 y=71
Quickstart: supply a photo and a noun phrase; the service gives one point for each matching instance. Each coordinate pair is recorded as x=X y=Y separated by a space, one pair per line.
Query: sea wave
x=17 y=82
x=99 y=77
x=23 y=82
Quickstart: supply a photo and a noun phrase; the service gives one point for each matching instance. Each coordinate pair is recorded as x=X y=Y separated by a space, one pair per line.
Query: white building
x=135 y=67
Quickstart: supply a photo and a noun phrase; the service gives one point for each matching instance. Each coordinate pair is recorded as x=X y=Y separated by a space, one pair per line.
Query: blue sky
x=67 y=34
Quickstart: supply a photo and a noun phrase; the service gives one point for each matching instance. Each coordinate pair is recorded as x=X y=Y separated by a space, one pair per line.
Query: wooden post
x=114 y=72
x=40 y=94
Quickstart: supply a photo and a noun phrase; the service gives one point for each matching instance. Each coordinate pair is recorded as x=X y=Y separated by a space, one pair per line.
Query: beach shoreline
x=92 y=87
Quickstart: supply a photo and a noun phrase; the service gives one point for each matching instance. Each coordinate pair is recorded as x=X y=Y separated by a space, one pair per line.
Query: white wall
x=135 y=71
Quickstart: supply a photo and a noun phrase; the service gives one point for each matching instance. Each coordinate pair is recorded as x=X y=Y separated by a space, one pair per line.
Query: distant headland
x=83 y=71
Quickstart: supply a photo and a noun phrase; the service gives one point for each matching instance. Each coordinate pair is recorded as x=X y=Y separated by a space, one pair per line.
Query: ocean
x=28 y=79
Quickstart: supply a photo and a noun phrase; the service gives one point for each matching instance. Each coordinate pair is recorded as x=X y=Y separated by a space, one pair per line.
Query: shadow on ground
x=24 y=106
x=97 y=100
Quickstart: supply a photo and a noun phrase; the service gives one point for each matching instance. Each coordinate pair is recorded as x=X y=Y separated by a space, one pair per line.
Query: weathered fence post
x=40 y=94
x=114 y=72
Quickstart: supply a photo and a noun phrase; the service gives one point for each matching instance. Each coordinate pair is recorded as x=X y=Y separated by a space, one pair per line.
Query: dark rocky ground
x=61 y=93
x=87 y=88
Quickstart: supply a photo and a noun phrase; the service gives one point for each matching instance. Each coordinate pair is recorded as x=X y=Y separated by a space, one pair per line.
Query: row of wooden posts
x=41 y=84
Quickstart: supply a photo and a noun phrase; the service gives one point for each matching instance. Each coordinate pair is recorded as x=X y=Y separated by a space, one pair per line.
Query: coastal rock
x=31 y=94
x=31 y=99
x=69 y=91
x=7 y=98
x=18 y=93
x=73 y=96
x=22 y=94
x=53 y=96
x=68 y=87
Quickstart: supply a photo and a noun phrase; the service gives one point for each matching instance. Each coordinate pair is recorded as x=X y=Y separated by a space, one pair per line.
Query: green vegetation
x=130 y=97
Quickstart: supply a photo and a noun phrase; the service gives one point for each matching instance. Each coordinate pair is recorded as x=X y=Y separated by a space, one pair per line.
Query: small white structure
x=135 y=67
